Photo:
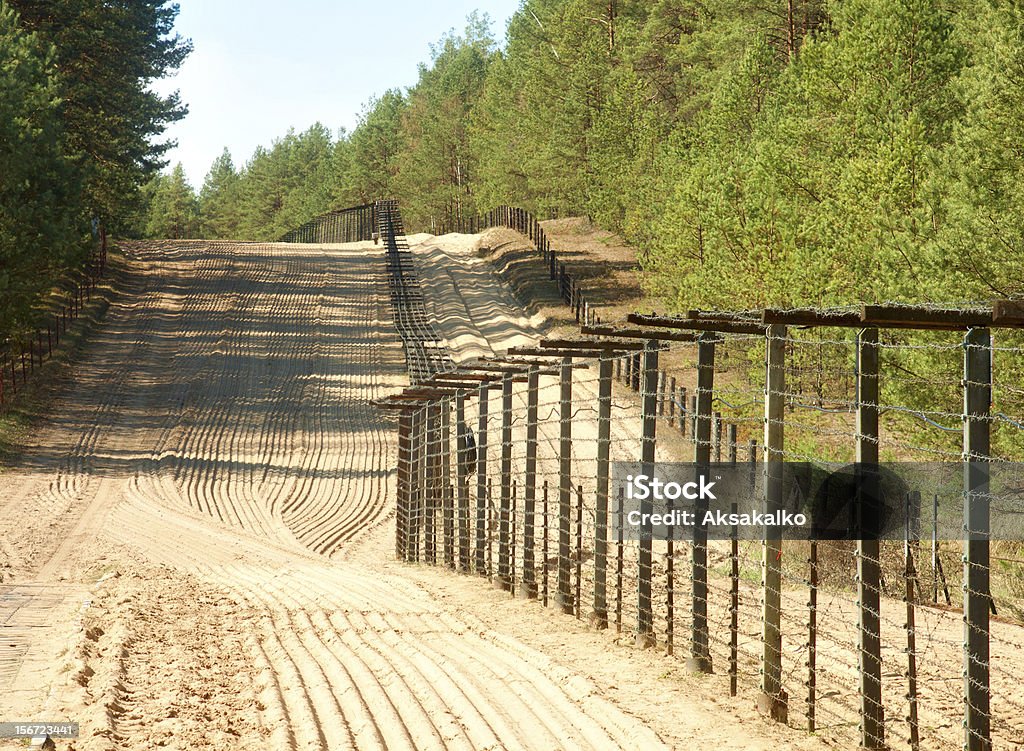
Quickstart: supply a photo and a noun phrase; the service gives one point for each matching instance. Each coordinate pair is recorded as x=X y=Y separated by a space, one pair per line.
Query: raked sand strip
x=201 y=483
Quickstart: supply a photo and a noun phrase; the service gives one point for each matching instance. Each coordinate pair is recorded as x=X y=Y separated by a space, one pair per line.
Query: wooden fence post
x=734 y=582
x=504 y=519
x=661 y=393
x=812 y=634
x=416 y=485
x=447 y=499
x=645 y=617
x=529 y=588
x=773 y=699
x=868 y=565
x=564 y=596
x=462 y=480
x=481 y=480
x=977 y=595
x=404 y=485
x=672 y=401
x=599 y=618
x=700 y=651
x=432 y=466
x=683 y=411
x=910 y=576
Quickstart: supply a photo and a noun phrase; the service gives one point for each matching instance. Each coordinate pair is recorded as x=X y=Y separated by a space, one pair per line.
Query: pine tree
x=106 y=54
x=172 y=207
x=437 y=166
x=219 y=199
x=38 y=190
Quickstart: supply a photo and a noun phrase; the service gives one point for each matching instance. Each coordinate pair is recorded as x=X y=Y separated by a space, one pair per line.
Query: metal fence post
x=868 y=565
x=773 y=699
x=700 y=652
x=977 y=595
x=645 y=616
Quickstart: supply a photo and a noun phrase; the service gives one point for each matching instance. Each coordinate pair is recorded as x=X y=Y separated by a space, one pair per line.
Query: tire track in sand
x=259 y=458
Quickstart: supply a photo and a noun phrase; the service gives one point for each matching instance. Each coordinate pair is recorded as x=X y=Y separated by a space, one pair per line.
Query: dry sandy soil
x=197 y=543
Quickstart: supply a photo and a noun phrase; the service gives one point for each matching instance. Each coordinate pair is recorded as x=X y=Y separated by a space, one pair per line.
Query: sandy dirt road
x=197 y=544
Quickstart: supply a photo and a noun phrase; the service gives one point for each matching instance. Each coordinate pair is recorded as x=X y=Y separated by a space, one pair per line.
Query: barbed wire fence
x=504 y=473
x=26 y=350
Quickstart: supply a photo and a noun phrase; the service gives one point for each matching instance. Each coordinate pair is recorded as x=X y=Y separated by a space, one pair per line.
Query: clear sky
x=259 y=68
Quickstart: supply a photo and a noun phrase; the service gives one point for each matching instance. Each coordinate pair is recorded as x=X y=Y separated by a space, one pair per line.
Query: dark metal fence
x=354 y=224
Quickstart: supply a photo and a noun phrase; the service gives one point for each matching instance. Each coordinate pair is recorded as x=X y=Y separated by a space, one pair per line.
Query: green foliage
x=982 y=167
x=173 y=207
x=76 y=126
x=806 y=152
x=436 y=164
x=219 y=199
x=106 y=54
x=374 y=148
x=37 y=196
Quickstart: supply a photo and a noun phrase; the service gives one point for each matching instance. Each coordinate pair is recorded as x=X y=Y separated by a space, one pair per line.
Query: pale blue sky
x=261 y=67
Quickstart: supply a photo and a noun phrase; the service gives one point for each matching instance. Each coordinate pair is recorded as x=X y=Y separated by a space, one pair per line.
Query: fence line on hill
x=528 y=225
x=348 y=225
x=847 y=638
x=360 y=223
x=22 y=354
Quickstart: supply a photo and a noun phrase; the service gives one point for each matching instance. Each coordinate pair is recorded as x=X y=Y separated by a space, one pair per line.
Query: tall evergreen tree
x=436 y=165
x=38 y=190
x=172 y=207
x=219 y=200
x=107 y=55
x=375 y=145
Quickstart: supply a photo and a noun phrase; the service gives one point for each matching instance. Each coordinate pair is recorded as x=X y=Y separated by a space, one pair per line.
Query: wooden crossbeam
x=722 y=327
x=496 y=367
x=589 y=344
x=671 y=336
x=527 y=360
x=739 y=316
x=457 y=375
x=919 y=317
x=1008 y=313
x=565 y=352
x=811 y=317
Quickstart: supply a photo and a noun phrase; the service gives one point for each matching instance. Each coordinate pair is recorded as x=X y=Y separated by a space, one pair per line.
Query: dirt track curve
x=197 y=541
